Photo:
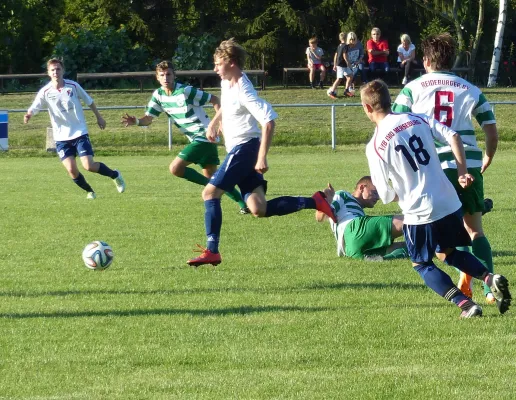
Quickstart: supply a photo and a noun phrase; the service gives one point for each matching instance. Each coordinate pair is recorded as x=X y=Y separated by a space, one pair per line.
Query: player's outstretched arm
x=128 y=120
x=491 y=144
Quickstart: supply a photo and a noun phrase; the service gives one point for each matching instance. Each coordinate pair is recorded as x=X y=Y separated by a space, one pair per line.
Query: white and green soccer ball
x=97 y=255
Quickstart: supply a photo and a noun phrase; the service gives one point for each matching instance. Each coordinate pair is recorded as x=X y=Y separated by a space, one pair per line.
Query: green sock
x=192 y=175
x=482 y=251
x=236 y=197
x=462 y=248
x=397 y=253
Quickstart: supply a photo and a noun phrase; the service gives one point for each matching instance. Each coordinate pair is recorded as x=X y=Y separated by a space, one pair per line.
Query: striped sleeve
x=196 y=97
x=404 y=101
x=483 y=112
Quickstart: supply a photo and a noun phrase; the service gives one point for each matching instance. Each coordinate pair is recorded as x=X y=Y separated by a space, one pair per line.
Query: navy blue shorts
x=423 y=241
x=237 y=169
x=80 y=146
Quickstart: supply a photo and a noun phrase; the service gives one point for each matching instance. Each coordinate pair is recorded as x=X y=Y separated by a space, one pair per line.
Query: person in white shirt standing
x=63 y=98
x=402 y=151
x=242 y=113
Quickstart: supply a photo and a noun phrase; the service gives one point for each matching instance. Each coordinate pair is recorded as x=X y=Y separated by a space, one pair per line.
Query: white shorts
x=343 y=71
x=348 y=71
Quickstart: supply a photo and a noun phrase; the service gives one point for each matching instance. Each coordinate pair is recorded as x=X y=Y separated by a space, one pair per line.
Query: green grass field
x=281 y=318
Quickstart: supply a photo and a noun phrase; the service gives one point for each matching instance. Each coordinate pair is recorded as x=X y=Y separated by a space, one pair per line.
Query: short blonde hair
x=55 y=61
x=342 y=36
x=405 y=38
x=351 y=36
x=375 y=29
x=376 y=94
x=230 y=50
x=313 y=40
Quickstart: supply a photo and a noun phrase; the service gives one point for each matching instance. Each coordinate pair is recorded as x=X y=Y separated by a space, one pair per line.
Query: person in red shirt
x=377 y=52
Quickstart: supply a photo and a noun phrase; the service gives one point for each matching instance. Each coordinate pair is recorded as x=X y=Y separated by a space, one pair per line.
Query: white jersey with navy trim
x=242 y=112
x=65 y=109
x=402 y=151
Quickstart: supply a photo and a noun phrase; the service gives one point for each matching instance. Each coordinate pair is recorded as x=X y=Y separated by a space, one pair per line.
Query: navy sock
x=466 y=262
x=81 y=182
x=287 y=205
x=441 y=283
x=213 y=223
x=106 y=171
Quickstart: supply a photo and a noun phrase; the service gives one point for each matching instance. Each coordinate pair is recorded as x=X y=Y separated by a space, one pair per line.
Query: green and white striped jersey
x=347 y=208
x=454 y=102
x=184 y=107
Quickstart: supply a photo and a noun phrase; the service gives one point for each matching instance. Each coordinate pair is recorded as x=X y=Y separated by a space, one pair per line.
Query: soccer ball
x=97 y=255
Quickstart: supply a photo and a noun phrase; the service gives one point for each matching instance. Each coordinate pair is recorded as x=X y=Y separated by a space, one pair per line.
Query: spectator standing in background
x=340 y=65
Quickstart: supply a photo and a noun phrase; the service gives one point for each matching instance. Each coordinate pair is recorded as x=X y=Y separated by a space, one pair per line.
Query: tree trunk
x=476 y=43
x=460 y=36
x=495 y=61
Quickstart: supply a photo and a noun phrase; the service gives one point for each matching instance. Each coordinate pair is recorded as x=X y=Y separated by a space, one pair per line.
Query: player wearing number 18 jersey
x=454 y=102
x=402 y=151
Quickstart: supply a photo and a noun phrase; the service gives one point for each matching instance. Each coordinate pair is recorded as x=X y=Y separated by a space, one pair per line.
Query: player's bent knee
x=89 y=167
x=177 y=168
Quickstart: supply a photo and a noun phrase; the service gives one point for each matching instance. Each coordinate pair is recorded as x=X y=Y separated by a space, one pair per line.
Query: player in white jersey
x=242 y=113
x=183 y=105
x=402 y=151
x=63 y=98
x=455 y=102
x=358 y=235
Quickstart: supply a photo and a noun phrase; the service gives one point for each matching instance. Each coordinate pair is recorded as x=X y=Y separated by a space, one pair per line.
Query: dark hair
x=365 y=180
x=440 y=51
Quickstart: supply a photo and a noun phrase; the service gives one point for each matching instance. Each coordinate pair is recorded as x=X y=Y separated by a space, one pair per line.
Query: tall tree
x=476 y=42
x=497 y=51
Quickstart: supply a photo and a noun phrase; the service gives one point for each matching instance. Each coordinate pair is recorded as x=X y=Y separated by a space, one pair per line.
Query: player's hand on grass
x=26 y=118
x=466 y=180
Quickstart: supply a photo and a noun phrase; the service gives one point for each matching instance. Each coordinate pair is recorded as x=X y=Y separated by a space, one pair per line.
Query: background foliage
x=150 y=30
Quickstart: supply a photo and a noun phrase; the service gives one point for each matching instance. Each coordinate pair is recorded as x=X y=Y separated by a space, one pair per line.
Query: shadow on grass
x=243 y=310
x=503 y=253
x=194 y=291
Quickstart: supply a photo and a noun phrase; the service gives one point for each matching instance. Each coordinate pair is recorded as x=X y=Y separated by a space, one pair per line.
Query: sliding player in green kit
x=183 y=104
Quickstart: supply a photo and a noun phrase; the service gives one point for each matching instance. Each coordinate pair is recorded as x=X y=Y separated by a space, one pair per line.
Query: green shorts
x=368 y=236
x=472 y=198
x=201 y=153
